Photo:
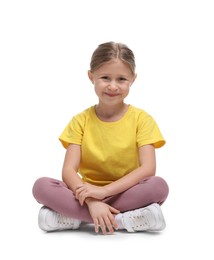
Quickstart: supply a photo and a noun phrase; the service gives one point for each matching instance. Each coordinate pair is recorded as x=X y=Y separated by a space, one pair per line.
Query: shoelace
x=63 y=221
x=139 y=222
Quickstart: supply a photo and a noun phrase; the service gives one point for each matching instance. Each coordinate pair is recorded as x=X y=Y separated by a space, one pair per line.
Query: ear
x=91 y=77
x=134 y=78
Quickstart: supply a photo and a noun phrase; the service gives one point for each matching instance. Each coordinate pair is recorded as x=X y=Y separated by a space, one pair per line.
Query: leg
x=150 y=190
x=56 y=195
x=141 y=206
x=154 y=190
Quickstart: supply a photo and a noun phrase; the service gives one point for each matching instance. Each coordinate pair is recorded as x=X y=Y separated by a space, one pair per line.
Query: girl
x=108 y=175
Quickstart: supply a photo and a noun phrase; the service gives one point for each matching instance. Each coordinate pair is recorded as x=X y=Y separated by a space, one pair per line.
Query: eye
x=105 y=77
x=122 y=79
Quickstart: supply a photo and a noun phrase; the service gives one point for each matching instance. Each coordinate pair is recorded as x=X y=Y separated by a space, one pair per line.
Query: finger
x=96 y=225
x=82 y=197
x=113 y=210
x=102 y=226
x=78 y=188
x=112 y=218
x=78 y=192
x=109 y=225
x=113 y=222
x=81 y=201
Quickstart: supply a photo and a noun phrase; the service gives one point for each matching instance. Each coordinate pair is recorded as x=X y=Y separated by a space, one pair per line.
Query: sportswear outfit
x=109 y=151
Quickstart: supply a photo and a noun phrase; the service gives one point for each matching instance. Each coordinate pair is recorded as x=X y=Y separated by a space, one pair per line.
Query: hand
x=102 y=215
x=87 y=190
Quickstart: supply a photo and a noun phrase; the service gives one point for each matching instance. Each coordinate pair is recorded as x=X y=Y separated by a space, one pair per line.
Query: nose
x=113 y=86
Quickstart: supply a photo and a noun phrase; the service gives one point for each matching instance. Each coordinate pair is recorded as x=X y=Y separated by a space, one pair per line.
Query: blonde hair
x=105 y=52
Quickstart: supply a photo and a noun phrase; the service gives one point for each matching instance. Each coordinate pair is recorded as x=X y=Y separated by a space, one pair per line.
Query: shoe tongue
x=143 y=222
x=64 y=221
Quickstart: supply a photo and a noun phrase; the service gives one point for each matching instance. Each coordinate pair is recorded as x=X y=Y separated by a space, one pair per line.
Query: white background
x=45 y=51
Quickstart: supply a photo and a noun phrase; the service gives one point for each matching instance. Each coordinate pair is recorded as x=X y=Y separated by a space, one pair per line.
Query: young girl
x=108 y=175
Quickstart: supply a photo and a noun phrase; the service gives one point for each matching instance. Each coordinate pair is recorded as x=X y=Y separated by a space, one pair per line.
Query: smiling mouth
x=111 y=94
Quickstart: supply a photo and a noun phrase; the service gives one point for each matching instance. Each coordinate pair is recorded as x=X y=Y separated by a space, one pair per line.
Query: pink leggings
x=56 y=195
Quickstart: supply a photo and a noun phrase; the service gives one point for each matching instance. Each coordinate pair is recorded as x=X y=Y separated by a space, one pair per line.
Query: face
x=112 y=82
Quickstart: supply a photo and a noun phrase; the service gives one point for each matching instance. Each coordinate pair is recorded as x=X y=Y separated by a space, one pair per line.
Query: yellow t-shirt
x=110 y=149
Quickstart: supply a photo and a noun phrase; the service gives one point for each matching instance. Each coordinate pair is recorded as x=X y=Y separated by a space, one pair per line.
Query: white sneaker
x=149 y=218
x=50 y=220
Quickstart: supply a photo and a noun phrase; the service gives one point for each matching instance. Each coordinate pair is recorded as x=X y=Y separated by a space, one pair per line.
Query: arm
x=101 y=213
x=71 y=166
x=147 y=168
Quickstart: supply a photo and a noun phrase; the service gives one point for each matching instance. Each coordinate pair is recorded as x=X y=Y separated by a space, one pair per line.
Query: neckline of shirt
x=113 y=122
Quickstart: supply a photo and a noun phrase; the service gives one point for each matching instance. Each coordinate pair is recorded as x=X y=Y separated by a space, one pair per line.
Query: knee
x=39 y=187
x=158 y=188
x=161 y=187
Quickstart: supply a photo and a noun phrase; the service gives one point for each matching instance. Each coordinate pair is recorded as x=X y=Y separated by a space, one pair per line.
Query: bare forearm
x=71 y=166
x=147 y=168
x=128 y=180
x=71 y=178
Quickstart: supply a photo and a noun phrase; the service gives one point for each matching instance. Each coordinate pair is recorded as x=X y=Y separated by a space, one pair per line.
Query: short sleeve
x=148 y=132
x=73 y=132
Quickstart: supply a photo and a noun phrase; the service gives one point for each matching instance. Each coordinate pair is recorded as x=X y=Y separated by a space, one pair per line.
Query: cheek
x=97 y=89
x=99 y=86
x=126 y=89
